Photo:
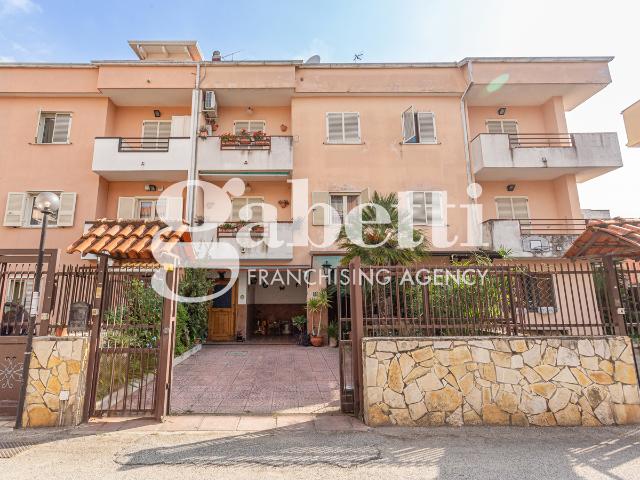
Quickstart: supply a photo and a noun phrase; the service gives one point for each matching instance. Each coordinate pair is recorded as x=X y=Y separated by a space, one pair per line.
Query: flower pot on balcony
x=245 y=141
x=262 y=143
x=316 y=340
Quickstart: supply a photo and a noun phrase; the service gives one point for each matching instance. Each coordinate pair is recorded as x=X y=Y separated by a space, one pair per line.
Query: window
x=343 y=127
x=53 y=127
x=149 y=208
x=19 y=290
x=250 y=126
x=21 y=212
x=428 y=208
x=418 y=127
x=539 y=292
x=512 y=208
x=342 y=204
x=239 y=202
x=502 y=126
x=155 y=129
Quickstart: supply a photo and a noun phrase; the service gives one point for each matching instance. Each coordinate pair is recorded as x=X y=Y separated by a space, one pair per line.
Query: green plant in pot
x=316 y=305
x=300 y=323
x=332 y=333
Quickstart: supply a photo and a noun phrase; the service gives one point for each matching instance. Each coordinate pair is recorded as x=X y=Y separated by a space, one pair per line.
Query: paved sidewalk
x=334 y=447
x=259 y=379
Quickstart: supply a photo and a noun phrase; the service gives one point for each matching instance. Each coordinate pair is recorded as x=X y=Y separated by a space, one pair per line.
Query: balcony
x=129 y=159
x=544 y=156
x=284 y=232
x=270 y=158
x=534 y=237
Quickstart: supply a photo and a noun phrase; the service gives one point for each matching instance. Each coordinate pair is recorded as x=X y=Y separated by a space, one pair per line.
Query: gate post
x=94 y=337
x=615 y=304
x=47 y=297
x=167 y=334
x=357 y=332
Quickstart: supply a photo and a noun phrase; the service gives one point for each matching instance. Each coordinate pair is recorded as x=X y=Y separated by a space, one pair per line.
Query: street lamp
x=46 y=203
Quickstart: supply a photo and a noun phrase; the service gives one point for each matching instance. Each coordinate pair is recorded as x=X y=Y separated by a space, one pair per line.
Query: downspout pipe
x=196 y=107
x=465 y=126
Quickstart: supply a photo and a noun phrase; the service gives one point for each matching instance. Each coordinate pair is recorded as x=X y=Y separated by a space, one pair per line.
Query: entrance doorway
x=222 y=314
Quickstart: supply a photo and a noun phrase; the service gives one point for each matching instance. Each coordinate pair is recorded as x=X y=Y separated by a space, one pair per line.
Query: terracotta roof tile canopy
x=619 y=237
x=127 y=239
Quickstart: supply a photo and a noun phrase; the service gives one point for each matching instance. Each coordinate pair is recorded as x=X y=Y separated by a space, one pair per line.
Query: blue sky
x=428 y=30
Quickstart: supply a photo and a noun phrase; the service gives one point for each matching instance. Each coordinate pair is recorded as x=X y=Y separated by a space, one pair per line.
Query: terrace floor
x=257 y=379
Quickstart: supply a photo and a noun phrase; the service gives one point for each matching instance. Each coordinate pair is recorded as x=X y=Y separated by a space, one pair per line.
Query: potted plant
x=332 y=333
x=244 y=137
x=259 y=138
x=300 y=323
x=316 y=305
x=203 y=132
x=257 y=231
x=227 y=229
x=228 y=139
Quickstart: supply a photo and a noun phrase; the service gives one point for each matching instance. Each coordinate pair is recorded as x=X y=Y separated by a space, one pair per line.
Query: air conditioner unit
x=209 y=100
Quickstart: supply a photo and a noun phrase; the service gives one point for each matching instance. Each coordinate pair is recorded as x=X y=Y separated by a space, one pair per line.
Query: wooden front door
x=222 y=315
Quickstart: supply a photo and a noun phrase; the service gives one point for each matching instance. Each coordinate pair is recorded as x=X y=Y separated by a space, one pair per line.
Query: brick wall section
x=541 y=381
x=58 y=365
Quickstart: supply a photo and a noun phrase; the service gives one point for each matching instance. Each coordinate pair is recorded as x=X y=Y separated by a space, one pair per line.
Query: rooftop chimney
x=216 y=57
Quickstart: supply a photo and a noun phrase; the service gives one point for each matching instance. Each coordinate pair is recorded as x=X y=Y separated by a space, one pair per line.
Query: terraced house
x=487 y=135
x=109 y=136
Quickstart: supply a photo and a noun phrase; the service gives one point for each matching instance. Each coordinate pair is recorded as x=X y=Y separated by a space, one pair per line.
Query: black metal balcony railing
x=137 y=144
x=552 y=226
x=540 y=140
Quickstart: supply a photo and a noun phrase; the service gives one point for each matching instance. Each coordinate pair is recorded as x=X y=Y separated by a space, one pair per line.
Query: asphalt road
x=389 y=453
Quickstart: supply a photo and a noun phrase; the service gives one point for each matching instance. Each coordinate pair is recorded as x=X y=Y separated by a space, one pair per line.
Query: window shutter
x=320 y=216
x=418 y=207
x=67 y=209
x=426 y=127
x=334 y=128
x=39 y=126
x=61 y=128
x=169 y=209
x=257 y=126
x=520 y=208
x=236 y=205
x=351 y=127
x=364 y=196
x=408 y=126
x=126 y=208
x=164 y=129
x=14 y=212
x=437 y=209
x=494 y=126
x=503 y=209
x=510 y=126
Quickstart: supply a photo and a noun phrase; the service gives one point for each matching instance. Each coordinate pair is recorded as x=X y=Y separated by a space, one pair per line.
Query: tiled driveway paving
x=245 y=378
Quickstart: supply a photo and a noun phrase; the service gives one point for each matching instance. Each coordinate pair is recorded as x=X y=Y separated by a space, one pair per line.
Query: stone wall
x=500 y=381
x=57 y=375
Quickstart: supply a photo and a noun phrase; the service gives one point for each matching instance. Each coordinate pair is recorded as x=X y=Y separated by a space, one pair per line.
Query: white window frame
x=250 y=130
x=247 y=198
x=440 y=222
x=26 y=289
x=416 y=127
x=40 y=127
x=139 y=205
x=501 y=120
x=511 y=197
x=345 y=204
x=344 y=140
x=28 y=209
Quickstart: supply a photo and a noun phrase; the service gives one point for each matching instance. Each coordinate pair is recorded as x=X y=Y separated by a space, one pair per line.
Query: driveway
x=258 y=379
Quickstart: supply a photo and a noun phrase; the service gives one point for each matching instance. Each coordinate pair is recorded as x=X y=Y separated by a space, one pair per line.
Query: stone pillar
x=57 y=377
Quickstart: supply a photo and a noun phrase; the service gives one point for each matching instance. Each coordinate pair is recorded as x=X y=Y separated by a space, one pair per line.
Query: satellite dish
x=313 y=59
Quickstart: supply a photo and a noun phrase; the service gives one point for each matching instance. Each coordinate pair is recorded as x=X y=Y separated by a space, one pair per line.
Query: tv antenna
x=231 y=54
x=358 y=57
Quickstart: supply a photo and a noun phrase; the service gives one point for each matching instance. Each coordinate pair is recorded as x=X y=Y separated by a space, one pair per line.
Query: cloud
x=10 y=7
x=6 y=59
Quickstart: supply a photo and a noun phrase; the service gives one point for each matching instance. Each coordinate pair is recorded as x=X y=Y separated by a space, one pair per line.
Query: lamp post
x=46 y=203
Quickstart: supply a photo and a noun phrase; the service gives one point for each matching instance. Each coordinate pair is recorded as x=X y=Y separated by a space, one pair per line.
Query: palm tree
x=390 y=252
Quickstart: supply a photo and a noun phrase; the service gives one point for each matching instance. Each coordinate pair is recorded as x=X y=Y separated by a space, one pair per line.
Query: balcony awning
x=619 y=237
x=128 y=239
